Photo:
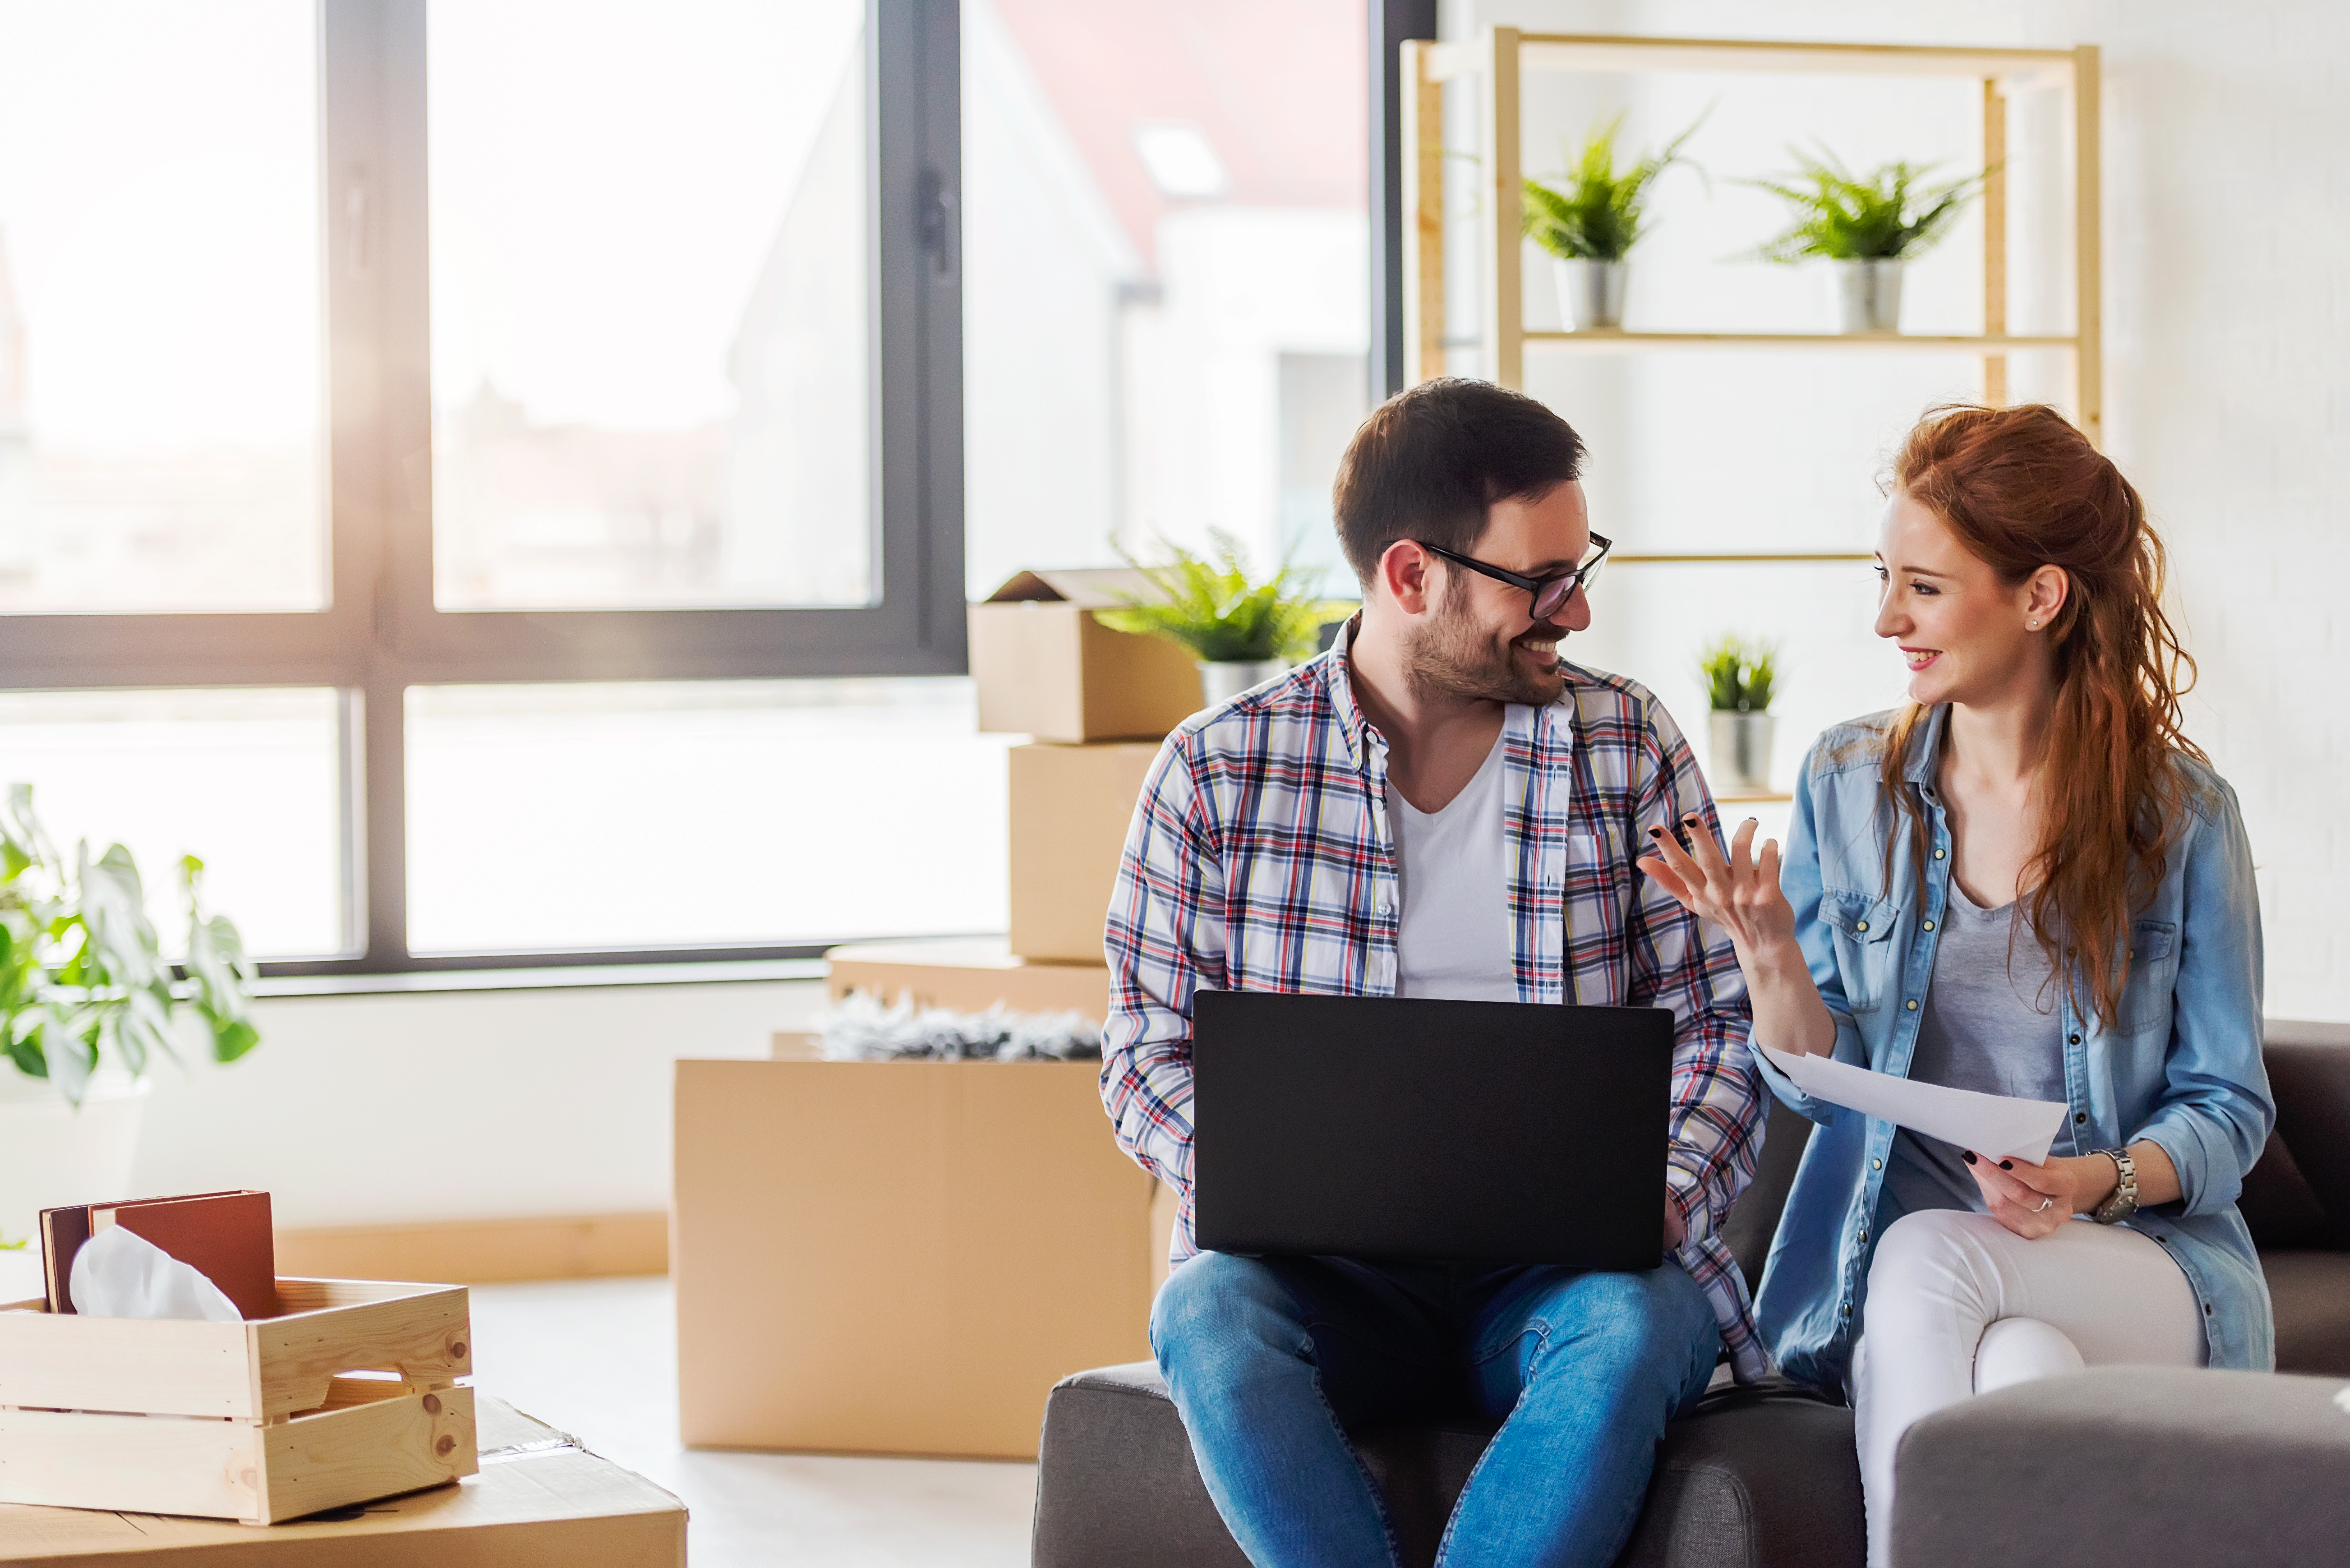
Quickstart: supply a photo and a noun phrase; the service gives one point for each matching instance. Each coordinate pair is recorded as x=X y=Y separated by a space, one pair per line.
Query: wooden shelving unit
x=1503 y=58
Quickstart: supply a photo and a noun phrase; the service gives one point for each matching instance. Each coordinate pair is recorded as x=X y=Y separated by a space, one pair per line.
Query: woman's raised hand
x=1737 y=893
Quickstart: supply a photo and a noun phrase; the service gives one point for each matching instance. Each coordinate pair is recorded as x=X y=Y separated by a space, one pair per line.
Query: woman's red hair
x=2022 y=489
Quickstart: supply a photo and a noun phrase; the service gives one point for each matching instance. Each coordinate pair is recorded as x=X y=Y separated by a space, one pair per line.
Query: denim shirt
x=2180 y=1067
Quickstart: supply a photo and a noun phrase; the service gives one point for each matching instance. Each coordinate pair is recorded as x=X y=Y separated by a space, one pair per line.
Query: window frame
x=381 y=632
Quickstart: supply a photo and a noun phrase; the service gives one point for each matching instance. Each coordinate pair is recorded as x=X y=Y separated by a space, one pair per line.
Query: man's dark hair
x=1429 y=463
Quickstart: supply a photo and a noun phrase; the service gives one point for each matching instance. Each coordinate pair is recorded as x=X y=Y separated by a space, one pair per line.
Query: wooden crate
x=269 y=1425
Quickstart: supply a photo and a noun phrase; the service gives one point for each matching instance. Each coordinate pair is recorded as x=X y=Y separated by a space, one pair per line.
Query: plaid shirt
x=1261 y=858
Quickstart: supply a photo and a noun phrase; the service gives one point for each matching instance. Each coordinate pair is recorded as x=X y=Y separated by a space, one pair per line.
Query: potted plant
x=1240 y=632
x=86 y=1002
x=1589 y=222
x=1867 y=225
x=1741 y=676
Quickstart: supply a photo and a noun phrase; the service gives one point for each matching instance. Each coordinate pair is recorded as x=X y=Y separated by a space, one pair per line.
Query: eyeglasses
x=1550 y=593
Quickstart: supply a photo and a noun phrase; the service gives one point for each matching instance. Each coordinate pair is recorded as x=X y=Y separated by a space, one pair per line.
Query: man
x=1438 y=806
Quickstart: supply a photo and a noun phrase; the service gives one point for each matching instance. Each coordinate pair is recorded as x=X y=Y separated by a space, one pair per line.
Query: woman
x=2028 y=882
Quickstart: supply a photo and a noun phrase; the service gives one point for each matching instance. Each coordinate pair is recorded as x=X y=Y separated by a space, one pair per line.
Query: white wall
x=2227 y=217
x=360 y=1110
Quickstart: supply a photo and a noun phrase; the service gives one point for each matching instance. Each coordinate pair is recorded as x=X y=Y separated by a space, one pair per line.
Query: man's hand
x=1675 y=1232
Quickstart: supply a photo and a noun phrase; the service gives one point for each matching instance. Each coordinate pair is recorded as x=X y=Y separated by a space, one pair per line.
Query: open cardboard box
x=968 y=975
x=1044 y=667
x=899 y=1256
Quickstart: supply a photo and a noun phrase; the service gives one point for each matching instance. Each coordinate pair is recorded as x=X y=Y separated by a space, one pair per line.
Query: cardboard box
x=968 y=975
x=1070 y=809
x=1046 y=667
x=540 y=1501
x=898 y=1257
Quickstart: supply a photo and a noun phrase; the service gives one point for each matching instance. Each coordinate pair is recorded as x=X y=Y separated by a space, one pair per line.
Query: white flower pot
x=1742 y=749
x=1591 y=294
x=1868 y=296
x=52 y=1155
x=1221 y=679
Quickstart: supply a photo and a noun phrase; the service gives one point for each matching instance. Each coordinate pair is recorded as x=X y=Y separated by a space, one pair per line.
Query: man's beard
x=1448 y=658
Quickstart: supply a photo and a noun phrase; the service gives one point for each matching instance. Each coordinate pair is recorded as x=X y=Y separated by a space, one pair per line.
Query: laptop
x=1392 y=1127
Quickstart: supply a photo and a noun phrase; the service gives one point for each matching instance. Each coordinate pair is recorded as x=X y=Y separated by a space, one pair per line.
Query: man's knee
x=1628 y=1320
x=1217 y=1299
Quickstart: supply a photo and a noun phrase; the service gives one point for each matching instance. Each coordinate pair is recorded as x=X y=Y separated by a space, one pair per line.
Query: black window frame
x=381 y=632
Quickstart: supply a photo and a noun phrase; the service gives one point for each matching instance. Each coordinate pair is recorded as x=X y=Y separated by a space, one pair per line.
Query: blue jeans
x=1271 y=1360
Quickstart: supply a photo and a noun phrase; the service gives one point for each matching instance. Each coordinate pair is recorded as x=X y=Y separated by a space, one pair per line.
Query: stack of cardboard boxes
x=903 y=1257
x=1096 y=704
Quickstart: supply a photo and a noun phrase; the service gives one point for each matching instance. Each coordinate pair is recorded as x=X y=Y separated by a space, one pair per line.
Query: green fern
x=1884 y=215
x=1595 y=213
x=1209 y=606
x=1738 y=674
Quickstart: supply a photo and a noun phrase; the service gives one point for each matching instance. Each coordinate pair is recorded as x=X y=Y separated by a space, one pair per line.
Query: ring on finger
x=2044 y=1205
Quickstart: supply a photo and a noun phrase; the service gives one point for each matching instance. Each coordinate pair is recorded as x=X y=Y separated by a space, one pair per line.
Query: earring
x=2032 y=625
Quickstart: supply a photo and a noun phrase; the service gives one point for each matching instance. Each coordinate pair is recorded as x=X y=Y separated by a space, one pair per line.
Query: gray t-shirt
x=1988 y=1025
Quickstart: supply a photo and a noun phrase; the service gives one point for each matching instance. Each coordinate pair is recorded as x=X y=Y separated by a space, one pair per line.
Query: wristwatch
x=2124 y=1202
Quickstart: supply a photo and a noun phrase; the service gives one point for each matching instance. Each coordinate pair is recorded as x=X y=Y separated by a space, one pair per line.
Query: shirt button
x=1938 y=854
x=1860 y=925
x=1929 y=925
x=1847 y=1309
x=1911 y=1004
x=2080 y=1118
x=2207 y=1309
x=2073 y=1039
x=1876 y=1165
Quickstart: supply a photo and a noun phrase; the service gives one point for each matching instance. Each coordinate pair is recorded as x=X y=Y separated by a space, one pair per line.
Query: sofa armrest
x=2151 y=1464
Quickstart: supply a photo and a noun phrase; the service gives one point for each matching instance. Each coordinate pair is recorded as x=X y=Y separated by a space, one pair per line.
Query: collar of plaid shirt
x=1260 y=857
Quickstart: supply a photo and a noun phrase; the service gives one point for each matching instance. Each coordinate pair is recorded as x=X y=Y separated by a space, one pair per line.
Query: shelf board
x=1767 y=558
x=1603 y=52
x=1626 y=342
x=1750 y=796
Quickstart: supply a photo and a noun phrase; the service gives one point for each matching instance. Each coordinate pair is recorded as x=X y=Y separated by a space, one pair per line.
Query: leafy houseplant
x=1740 y=676
x=1868 y=225
x=1239 y=629
x=1590 y=221
x=82 y=977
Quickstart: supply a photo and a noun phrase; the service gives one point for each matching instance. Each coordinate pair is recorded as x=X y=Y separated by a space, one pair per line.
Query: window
x=383 y=386
x=1166 y=313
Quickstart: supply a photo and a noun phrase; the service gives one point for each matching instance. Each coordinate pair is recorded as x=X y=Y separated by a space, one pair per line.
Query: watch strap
x=2124 y=1201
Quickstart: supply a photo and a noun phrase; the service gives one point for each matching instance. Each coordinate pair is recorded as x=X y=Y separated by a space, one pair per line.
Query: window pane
x=247 y=780
x=676 y=814
x=648 y=304
x=160 y=368
x=1165 y=313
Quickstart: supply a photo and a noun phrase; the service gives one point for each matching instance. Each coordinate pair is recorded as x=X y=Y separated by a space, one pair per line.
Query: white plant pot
x=1221 y=679
x=1591 y=294
x=52 y=1155
x=1742 y=749
x=1868 y=296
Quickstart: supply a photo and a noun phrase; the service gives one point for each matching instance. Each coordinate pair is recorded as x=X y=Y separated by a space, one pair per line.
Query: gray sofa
x=1757 y=1477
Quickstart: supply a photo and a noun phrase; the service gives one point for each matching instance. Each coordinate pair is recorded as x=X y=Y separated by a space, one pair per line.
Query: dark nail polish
x=1656 y=833
x=1970 y=1155
x=2007 y=1164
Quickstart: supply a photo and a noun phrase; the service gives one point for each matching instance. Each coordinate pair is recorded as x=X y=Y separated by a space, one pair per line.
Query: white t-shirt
x=1453 y=939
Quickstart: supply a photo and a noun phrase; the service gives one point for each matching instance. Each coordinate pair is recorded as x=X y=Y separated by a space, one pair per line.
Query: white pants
x=1958 y=1305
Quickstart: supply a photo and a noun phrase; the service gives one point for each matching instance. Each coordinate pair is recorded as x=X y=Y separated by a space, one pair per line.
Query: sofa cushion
x=2311 y=1291
x=2310 y=1079
x=2160 y=1465
x=1757 y=1477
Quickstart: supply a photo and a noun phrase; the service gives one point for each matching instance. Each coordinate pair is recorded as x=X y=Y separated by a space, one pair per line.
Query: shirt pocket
x=1863 y=928
x=2152 y=977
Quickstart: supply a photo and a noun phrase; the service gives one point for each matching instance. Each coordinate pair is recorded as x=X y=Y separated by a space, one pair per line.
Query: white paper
x=1994 y=1125
x=120 y=1273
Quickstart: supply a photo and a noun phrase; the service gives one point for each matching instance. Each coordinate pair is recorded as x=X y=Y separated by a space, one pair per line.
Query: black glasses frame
x=1539 y=589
